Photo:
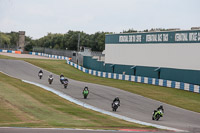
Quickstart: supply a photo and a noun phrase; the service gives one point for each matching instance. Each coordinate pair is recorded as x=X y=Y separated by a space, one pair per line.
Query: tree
x=129 y=31
x=14 y=38
x=4 y=40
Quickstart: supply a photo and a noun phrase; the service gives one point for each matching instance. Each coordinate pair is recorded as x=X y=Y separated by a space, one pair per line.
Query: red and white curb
x=78 y=129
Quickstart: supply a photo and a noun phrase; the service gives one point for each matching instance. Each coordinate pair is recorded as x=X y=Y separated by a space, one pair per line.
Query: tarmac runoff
x=101 y=110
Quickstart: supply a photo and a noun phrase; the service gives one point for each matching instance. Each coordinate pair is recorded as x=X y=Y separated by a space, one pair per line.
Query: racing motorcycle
x=157 y=114
x=62 y=78
x=65 y=83
x=50 y=80
x=115 y=105
x=85 y=93
x=40 y=75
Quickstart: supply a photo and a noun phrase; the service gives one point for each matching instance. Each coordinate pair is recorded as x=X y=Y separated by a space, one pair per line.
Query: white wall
x=183 y=56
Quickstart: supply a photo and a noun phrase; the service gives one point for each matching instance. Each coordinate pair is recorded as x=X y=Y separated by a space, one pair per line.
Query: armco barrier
x=10 y=51
x=139 y=79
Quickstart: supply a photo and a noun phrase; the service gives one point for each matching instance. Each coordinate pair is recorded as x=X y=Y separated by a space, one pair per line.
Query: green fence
x=180 y=75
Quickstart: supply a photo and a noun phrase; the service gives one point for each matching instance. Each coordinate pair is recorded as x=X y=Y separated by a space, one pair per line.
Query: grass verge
x=25 y=105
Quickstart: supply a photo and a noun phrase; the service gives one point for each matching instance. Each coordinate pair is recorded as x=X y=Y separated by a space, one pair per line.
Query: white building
x=171 y=49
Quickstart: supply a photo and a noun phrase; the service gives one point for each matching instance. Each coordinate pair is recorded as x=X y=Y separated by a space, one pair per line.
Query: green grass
x=179 y=98
x=25 y=105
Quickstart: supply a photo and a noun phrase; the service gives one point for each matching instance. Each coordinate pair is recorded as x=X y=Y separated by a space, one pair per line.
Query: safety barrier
x=10 y=51
x=50 y=56
x=138 y=79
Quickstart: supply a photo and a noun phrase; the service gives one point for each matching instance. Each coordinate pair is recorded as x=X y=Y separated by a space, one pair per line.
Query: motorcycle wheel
x=157 y=117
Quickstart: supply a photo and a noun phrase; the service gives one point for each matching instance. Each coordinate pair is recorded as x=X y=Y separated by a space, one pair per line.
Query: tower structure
x=21 y=44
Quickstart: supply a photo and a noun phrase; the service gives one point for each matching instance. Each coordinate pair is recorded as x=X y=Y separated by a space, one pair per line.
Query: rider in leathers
x=116 y=99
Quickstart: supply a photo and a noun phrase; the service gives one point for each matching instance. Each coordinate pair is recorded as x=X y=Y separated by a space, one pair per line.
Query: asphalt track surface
x=132 y=105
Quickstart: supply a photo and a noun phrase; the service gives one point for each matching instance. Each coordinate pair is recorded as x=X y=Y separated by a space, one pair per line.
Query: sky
x=40 y=17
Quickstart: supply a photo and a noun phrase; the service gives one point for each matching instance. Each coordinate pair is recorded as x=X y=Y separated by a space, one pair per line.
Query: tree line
x=70 y=40
x=67 y=41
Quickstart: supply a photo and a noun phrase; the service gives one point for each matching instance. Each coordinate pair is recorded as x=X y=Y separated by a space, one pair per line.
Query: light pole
x=134 y=69
x=158 y=70
x=113 y=68
x=78 y=47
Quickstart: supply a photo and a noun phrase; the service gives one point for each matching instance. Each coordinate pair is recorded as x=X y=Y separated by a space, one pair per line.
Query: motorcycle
x=40 y=75
x=157 y=114
x=85 y=93
x=50 y=80
x=65 y=83
x=62 y=79
x=115 y=105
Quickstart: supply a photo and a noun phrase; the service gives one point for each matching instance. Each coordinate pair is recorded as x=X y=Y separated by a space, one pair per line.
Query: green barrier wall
x=181 y=75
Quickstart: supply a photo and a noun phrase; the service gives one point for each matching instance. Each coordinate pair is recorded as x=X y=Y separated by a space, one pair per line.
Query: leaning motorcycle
x=65 y=83
x=157 y=114
x=62 y=79
x=115 y=105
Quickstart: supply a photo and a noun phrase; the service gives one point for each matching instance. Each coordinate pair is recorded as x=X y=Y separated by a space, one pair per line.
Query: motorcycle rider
x=86 y=89
x=160 y=108
x=116 y=99
x=50 y=78
x=61 y=75
x=65 y=82
x=40 y=72
x=160 y=111
x=62 y=78
x=85 y=92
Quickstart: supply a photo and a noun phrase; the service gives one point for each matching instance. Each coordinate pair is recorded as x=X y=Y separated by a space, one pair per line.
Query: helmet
x=86 y=87
x=161 y=106
x=117 y=98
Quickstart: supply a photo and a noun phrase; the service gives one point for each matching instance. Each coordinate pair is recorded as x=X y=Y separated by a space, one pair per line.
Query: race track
x=132 y=105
